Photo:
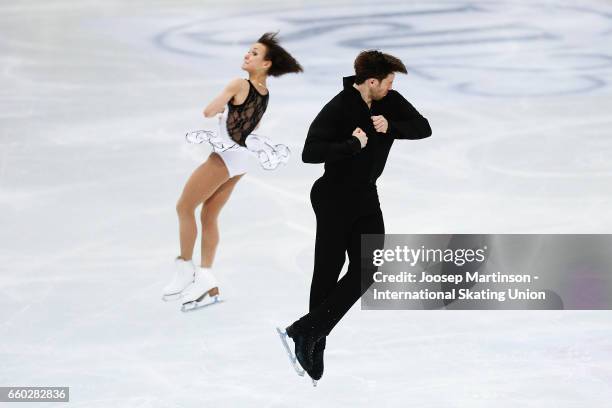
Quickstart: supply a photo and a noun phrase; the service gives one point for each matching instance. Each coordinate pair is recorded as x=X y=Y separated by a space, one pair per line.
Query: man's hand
x=360 y=134
x=380 y=123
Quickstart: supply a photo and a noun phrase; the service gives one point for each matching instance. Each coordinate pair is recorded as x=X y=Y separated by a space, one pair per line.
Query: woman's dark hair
x=282 y=61
x=375 y=64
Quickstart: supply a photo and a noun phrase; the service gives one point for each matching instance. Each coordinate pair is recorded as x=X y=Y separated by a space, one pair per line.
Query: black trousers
x=341 y=219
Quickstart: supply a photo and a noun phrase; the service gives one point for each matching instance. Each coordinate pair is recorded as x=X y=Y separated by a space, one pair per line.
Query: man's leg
x=330 y=248
x=322 y=319
x=330 y=254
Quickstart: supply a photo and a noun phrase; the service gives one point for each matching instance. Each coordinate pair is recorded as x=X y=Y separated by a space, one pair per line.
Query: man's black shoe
x=304 y=347
x=317 y=360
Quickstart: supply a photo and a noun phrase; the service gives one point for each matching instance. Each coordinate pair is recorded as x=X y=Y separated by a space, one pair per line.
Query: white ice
x=95 y=98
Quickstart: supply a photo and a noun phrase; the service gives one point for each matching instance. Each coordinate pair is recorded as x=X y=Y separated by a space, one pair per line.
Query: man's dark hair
x=375 y=64
x=282 y=61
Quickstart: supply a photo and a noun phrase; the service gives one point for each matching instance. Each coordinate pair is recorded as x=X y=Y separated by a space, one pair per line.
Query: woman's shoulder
x=237 y=84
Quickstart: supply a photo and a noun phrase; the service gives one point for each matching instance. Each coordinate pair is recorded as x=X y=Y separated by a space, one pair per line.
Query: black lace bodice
x=243 y=119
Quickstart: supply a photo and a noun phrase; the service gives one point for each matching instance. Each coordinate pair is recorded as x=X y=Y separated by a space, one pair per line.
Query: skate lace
x=243 y=119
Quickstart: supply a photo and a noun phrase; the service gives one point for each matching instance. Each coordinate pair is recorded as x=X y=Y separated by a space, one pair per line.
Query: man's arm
x=321 y=146
x=407 y=122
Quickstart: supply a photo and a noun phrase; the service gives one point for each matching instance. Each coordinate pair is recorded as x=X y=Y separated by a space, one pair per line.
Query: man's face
x=379 y=89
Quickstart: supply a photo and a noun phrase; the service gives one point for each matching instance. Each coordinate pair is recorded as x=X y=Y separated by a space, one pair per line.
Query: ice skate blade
x=314 y=383
x=195 y=305
x=294 y=363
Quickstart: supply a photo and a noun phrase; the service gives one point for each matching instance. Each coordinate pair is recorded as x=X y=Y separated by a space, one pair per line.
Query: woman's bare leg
x=209 y=217
x=202 y=184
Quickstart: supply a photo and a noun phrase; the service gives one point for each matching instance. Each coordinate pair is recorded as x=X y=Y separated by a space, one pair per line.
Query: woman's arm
x=218 y=104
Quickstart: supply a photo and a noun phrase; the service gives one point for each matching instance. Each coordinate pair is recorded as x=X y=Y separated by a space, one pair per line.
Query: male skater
x=352 y=135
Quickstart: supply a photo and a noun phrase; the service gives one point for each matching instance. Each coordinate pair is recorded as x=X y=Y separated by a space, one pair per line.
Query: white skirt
x=235 y=157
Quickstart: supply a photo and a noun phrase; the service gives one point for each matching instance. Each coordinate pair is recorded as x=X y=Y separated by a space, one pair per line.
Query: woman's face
x=254 y=59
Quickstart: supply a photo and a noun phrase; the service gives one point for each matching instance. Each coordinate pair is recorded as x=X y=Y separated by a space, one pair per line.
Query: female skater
x=212 y=183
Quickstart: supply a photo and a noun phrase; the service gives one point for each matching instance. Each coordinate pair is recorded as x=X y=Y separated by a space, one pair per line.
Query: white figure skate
x=184 y=272
x=196 y=296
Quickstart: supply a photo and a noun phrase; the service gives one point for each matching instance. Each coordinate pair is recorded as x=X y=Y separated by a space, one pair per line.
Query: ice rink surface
x=95 y=100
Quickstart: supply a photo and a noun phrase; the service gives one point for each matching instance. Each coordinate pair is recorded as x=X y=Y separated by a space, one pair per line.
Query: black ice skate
x=294 y=363
x=317 y=360
x=304 y=349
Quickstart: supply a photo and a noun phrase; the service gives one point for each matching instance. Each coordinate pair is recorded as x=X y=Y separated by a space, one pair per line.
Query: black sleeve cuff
x=354 y=145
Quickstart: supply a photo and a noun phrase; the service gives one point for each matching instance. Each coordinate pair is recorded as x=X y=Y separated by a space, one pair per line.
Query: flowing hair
x=282 y=61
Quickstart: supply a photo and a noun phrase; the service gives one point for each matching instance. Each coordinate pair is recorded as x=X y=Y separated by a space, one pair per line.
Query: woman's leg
x=209 y=216
x=202 y=184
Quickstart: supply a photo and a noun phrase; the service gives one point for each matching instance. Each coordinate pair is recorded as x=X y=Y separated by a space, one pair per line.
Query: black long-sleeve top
x=330 y=139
